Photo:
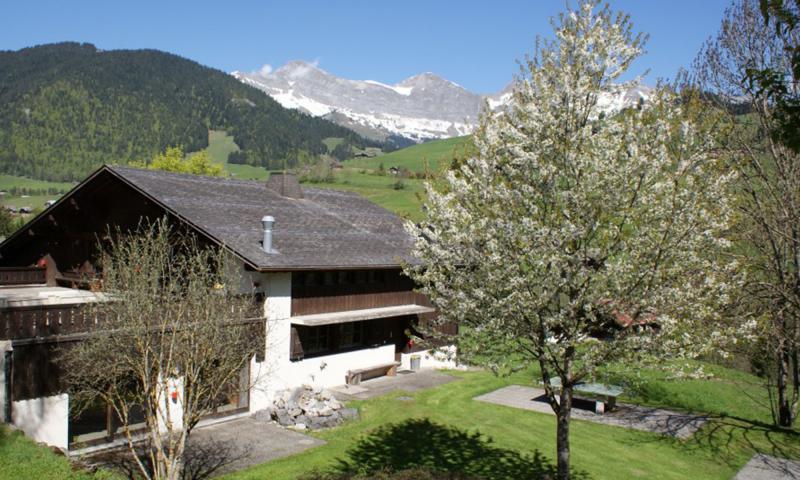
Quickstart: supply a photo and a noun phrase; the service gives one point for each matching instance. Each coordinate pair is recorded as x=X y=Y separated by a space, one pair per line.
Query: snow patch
x=401 y=90
x=288 y=99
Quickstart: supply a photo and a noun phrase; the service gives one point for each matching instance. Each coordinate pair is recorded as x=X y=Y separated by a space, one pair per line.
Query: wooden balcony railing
x=22 y=275
x=45 y=321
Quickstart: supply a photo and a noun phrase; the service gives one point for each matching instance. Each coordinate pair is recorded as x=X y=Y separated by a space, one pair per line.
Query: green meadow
x=428 y=156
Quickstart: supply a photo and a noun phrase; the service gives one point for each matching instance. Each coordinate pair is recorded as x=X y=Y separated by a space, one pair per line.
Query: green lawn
x=416 y=157
x=444 y=428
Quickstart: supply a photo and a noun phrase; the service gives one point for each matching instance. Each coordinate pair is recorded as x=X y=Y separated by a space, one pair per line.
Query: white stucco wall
x=248 y=281
x=170 y=409
x=277 y=372
x=444 y=357
x=331 y=370
x=271 y=375
x=44 y=419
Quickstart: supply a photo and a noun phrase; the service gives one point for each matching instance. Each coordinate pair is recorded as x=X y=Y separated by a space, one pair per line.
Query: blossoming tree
x=578 y=237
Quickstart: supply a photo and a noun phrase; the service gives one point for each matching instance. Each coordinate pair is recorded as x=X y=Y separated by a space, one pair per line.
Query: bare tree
x=769 y=172
x=173 y=342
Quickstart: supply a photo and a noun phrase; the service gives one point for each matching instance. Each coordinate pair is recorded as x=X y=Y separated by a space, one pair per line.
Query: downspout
x=7 y=351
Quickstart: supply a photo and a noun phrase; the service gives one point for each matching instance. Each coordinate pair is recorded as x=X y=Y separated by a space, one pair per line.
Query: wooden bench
x=607 y=393
x=354 y=377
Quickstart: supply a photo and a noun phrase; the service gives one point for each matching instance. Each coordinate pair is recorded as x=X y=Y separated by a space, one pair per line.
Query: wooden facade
x=339 y=291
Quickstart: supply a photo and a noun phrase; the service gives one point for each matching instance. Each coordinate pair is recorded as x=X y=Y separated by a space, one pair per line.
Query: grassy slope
x=434 y=430
x=356 y=175
x=220 y=145
x=332 y=142
x=415 y=157
x=22 y=458
x=380 y=190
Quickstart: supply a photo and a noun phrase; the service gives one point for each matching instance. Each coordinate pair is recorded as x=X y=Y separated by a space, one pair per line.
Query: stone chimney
x=285 y=184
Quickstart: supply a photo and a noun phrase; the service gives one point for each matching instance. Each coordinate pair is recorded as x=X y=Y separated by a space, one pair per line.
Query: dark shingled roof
x=325 y=229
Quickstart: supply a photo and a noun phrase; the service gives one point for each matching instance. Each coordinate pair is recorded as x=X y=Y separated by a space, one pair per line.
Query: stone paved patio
x=251 y=442
x=666 y=422
x=764 y=467
x=405 y=380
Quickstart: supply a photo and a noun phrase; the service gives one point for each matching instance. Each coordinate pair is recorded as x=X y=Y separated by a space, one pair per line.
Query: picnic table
x=606 y=393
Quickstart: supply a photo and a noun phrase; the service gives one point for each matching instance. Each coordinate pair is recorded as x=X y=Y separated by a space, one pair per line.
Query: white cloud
x=265 y=70
x=301 y=68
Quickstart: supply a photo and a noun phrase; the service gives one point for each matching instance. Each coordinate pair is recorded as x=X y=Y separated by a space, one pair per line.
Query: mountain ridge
x=70 y=107
x=422 y=107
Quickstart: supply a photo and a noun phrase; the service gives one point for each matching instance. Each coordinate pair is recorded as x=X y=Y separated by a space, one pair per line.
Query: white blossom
x=566 y=220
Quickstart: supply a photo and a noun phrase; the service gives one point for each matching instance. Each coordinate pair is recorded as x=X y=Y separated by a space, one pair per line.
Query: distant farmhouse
x=325 y=264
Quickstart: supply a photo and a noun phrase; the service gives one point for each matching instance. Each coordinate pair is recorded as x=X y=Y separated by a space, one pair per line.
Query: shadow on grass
x=734 y=440
x=727 y=435
x=421 y=443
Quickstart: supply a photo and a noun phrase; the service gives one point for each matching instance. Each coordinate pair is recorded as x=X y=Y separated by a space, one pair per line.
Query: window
x=327 y=339
x=351 y=334
x=316 y=340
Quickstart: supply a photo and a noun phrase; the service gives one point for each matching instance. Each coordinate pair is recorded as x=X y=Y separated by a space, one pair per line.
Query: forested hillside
x=68 y=107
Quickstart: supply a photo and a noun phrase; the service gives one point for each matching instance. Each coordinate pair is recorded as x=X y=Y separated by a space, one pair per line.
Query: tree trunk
x=562 y=432
x=784 y=402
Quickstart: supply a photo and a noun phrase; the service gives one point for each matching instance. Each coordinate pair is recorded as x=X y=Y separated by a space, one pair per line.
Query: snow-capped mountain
x=419 y=108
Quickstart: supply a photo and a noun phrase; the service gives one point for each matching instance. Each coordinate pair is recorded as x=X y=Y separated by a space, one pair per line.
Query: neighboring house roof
x=325 y=229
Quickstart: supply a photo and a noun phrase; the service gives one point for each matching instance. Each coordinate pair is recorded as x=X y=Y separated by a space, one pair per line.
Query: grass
x=430 y=155
x=444 y=428
x=34 y=201
x=8 y=181
x=220 y=144
x=22 y=458
x=332 y=142
x=380 y=190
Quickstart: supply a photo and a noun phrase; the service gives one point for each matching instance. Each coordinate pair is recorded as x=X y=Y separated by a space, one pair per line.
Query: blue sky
x=475 y=44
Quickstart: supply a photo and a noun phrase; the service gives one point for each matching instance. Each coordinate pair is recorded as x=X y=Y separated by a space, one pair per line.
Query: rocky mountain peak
x=421 y=107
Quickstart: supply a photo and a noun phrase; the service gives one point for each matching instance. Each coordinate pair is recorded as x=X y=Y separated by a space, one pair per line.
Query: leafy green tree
x=174 y=160
x=8 y=224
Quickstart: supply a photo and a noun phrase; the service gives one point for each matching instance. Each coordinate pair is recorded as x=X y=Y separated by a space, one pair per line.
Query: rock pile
x=309 y=407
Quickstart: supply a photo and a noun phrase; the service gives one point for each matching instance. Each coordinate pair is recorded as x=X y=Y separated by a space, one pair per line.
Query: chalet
x=325 y=264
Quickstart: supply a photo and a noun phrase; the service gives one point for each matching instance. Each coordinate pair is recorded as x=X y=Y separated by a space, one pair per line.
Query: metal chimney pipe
x=267 y=222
